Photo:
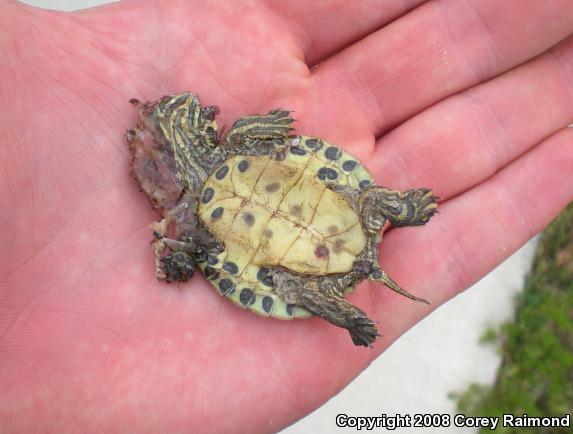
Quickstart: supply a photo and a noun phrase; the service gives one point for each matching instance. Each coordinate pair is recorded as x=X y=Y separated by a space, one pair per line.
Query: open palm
x=90 y=341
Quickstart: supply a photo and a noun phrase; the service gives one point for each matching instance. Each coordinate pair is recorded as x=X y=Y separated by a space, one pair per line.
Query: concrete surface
x=66 y=5
x=438 y=356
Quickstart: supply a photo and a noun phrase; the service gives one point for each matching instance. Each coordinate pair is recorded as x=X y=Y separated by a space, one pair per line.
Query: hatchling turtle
x=280 y=224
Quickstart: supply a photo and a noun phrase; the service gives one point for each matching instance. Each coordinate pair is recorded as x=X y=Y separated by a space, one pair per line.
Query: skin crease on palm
x=470 y=98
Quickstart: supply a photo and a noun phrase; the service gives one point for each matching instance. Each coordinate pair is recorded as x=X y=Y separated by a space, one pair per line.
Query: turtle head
x=191 y=131
x=182 y=117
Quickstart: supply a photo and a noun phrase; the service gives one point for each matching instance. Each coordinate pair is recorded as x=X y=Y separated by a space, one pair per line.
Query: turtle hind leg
x=326 y=304
x=341 y=313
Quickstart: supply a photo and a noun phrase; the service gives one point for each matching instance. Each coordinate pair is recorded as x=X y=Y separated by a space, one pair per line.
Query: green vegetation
x=536 y=374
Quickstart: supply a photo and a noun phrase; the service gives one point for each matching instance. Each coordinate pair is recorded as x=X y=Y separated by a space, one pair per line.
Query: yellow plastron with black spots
x=270 y=213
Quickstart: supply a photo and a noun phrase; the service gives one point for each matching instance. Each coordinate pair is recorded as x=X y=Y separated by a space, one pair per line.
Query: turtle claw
x=364 y=332
x=178 y=266
x=423 y=205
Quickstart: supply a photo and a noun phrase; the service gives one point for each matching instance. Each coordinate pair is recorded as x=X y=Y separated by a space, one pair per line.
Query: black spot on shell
x=247 y=297
x=314 y=144
x=217 y=213
x=249 y=219
x=212 y=260
x=263 y=272
x=230 y=267
x=338 y=245
x=290 y=309
x=297 y=150
x=271 y=188
x=263 y=275
x=208 y=195
x=296 y=210
x=267 y=303
x=332 y=153
x=210 y=273
x=349 y=165
x=243 y=166
x=226 y=287
x=364 y=183
x=327 y=173
x=222 y=172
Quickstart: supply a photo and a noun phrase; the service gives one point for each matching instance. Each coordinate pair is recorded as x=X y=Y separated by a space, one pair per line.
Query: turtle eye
x=210 y=112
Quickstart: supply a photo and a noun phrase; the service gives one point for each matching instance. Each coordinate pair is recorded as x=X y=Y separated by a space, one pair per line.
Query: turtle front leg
x=179 y=263
x=188 y=239
x=253 y=134
x=307 y=293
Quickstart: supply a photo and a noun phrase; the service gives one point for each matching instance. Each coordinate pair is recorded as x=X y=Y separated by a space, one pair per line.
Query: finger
x=327 y=26
x=442 y=47
x=468 y=137
x=476 y=231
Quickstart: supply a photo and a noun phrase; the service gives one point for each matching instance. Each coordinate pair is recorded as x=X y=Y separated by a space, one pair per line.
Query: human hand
x=90 y=341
